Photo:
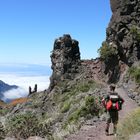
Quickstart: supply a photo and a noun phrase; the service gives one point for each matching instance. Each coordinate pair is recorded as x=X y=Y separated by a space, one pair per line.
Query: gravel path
x=96 y=132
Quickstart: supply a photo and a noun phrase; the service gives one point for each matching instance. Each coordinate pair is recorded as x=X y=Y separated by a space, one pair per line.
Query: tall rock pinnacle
x=65 y=59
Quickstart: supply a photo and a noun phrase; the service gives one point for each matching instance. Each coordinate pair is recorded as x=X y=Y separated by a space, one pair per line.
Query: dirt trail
x=96 y=132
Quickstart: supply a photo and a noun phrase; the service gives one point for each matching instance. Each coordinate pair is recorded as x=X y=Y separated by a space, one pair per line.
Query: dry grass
x=129 y=126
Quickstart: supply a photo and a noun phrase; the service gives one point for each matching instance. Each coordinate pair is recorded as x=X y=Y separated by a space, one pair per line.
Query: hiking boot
x=106 y=132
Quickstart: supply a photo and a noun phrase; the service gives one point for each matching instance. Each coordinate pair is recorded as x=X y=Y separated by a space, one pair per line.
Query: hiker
x=113 y=103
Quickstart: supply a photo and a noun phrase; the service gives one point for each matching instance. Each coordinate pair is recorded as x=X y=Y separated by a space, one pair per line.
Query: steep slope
x=122 y=44
x=119 y=51
x=74 y=96
x=67 y=65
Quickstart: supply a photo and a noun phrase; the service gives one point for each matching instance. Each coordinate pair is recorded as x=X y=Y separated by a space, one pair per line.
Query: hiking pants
x=112 y=116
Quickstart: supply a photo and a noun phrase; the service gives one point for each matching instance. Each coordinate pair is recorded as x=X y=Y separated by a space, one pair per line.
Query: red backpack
x=113 y=102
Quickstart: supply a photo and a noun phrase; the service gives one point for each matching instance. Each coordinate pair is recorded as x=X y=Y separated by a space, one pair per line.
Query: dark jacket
x=115 y=97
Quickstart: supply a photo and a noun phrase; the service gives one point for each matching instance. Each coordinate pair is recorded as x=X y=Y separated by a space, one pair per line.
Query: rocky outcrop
x=125 y=19
x=65 y=59
x=93 y=69
x=114 y=5
x=123 y=33
x=67 y=65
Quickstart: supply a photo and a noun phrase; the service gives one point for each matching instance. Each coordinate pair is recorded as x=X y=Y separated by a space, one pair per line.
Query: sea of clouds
x=24 y=75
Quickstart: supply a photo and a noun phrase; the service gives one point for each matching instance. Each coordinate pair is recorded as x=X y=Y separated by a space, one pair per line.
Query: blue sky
x=28 y=28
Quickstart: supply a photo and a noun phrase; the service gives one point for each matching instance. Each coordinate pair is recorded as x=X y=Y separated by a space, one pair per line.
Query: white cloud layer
x=24 y=82
x=14 y=93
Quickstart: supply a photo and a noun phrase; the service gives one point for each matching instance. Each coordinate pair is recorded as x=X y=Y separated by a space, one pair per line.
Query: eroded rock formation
x=125 y=19
x=123 y=32
x=65 y=59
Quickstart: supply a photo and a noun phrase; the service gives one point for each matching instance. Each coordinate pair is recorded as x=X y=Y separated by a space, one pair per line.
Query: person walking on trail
x=113 y=103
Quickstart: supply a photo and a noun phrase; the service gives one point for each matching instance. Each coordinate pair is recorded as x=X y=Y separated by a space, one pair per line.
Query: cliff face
x=123 y=33
x=65 y=59
x=125 y=19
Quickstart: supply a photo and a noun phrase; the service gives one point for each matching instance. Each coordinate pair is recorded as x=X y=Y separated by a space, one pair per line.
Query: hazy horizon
x=24 y=75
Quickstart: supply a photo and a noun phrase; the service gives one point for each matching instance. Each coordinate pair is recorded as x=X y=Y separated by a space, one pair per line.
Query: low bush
x=130 y=126
x=91 y=107
x=2 y=132
x=106 y=51
x=25 y=125
x=66 y=106
x=134 y=72
x=135 y=31
x=4 y=111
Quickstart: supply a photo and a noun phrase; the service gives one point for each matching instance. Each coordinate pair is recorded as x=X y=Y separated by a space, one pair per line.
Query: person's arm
x=121 y=99
x=105 y=100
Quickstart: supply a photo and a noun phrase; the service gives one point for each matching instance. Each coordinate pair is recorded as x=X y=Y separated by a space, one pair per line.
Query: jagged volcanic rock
x=125 y=17
x=65 y=59
x=123 y=33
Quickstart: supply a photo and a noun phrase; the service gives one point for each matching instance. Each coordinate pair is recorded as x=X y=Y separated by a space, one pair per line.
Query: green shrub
x=92 y=105
x=76 y=89
x=25 y=125
x=130 y=125
x=2 y=132
x=76 y=106
x=137 y=76
x=65 y=107
x=85 y=86
x=106 y=51
x=135 y=31
x=4 y=111
x=74 y=117
x=134 y=72
x=22 y=125
x=90 y=108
